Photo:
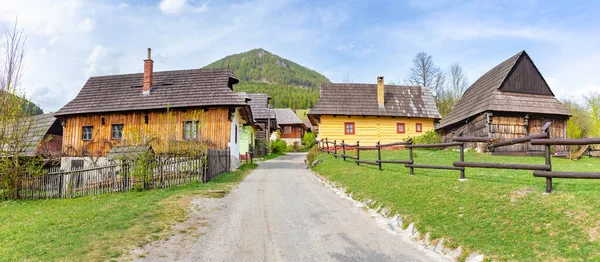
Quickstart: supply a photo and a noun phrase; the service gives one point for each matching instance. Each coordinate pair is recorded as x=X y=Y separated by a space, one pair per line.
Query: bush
x=429 y=137
x=309 y=140
x=312 y=154
x=278 y=146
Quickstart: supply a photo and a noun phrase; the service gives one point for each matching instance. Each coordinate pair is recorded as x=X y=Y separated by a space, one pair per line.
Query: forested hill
x=258 y=65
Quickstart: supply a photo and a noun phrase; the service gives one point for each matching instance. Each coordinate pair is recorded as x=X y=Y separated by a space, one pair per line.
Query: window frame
x=287 y=130
x=193 y=123
x=418 y=127
x=112 y=131
x=83 y=133
x=346 y=128
x=403 y=128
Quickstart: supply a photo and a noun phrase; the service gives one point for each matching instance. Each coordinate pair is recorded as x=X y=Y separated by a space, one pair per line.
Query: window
x=349 y=128
x=87 y=133
x=76 y=164
x=419 y=127
x=400 y=128
x=287 y=129
x=190 y=129
x=117 y=131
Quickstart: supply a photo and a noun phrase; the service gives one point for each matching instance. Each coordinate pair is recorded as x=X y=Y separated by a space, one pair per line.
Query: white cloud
x=179 y=6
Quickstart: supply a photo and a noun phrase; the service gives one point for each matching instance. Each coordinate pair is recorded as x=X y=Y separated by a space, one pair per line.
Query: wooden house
x=511 y=100
x=248 y=133
x=168 y=110
x=43 y=137
x=265 y=119
x=373 y=112
x=291 y=127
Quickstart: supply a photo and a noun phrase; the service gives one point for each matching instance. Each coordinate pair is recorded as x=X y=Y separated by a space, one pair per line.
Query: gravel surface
x=281 y=212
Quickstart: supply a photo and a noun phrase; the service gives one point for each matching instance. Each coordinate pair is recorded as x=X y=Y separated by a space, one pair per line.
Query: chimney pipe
x=380 y=92
x=148 y=69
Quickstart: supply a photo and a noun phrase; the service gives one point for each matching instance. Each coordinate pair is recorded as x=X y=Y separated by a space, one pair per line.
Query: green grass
x=96 y=228
x=502 y=213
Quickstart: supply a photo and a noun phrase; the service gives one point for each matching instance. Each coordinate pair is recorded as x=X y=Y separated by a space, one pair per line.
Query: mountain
x=288 y=83
x=29 y=107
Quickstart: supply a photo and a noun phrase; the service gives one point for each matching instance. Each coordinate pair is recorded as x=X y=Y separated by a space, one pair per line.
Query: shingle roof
x=361 y=99
x=286 y=116
x=178 y=88
x=259 y=104
x=40 y=125
x=486 y=95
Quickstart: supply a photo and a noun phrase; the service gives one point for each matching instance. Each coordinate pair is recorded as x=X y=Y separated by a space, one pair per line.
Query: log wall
x=163 y=130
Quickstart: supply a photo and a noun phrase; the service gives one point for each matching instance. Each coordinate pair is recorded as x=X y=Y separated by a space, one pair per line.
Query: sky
x=72 y=40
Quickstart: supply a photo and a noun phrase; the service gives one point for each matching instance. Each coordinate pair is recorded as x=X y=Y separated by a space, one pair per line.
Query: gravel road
x=281 y=212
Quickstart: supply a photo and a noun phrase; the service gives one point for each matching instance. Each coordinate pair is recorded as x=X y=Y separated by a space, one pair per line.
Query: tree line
x=282 y=96
x=585 y=119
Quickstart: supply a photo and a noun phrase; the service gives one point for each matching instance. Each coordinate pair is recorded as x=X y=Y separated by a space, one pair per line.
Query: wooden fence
x=122 y=176
x=539 y=170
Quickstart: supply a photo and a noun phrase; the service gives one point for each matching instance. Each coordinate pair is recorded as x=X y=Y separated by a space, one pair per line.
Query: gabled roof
x=361 y=99
x=286 y=116
x=259 y=103
x=174 y=89
x=515 y=85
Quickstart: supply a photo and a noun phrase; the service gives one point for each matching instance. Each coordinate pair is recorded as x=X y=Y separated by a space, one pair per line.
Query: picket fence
x=122 y=176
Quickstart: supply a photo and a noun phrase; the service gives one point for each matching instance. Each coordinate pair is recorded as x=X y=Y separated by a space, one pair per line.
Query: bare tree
x=346 y=79
x=425 y=73
x=16 y=125
x=455 y=87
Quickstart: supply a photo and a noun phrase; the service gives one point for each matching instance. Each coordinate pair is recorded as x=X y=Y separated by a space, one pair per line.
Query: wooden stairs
x=580 y=152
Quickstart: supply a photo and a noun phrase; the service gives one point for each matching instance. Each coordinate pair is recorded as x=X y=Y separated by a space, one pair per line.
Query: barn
x=511 y=100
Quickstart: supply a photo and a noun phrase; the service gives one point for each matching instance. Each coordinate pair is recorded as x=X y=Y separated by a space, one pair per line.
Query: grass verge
x=273 y=155
x=502 y=213
x=97 y=228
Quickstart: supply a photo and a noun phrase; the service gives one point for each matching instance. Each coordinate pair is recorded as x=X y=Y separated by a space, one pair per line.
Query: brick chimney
x=148 y=68
x=380 y=92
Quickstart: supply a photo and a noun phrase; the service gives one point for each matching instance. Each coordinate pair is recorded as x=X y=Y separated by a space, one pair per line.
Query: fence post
x=462 y=159
x=246 y=159
x=412 y=161
x=379 y=154
x=357 y=153
x=549 y=163
x=343 y=150
x=335 y=148
x=327 y=143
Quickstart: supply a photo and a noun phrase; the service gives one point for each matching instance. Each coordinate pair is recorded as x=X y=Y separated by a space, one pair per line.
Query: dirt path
x=281 y=212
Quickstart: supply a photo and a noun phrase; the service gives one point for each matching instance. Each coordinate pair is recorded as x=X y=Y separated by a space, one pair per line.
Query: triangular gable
x=524 y=77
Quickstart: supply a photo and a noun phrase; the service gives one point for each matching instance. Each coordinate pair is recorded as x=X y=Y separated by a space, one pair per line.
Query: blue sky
x=71 y=40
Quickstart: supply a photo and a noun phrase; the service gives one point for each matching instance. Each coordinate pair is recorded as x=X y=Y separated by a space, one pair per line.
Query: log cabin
x=512 y=100
x=373 y=112
x=166 y=110
x=291 y=127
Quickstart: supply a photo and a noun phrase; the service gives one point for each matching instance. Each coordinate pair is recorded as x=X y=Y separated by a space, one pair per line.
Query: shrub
x=312 y=154
x=429 y=137
x=309 y=140
x=278 y=146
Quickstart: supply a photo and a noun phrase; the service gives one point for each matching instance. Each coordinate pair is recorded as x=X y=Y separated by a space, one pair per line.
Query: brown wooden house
x=511 y=100
x=263 y=116
x=165 y=110
x=291 y=127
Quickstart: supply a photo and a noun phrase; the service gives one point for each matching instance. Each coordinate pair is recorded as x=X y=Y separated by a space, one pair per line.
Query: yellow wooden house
x=373 y=112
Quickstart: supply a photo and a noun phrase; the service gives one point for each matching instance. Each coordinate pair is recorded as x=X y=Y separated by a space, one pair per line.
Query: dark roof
x=259 y=103
x=40 y=125
x=178 y=88
x=496 y=91
x=286 y=116
x=361 y=99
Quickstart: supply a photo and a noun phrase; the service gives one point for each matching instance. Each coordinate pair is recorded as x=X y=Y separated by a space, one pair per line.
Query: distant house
x=263 y=116
x=511 y=100
x=248 y=133
x=373 y=112
x=166 y=110
x=291 y=127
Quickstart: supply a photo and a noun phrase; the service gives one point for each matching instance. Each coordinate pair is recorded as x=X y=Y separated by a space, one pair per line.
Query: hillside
x=289 y=84
x=29 y=107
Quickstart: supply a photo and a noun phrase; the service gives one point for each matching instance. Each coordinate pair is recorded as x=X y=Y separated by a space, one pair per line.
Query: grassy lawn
x=96 y=228
x=502 y=213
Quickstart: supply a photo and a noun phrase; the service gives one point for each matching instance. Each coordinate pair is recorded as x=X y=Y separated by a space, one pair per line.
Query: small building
x=373 y=112
x=44 y=137
x=169 y=111
x=248 y=133
x=511 y=100
x=264 y=118
x=291 y=127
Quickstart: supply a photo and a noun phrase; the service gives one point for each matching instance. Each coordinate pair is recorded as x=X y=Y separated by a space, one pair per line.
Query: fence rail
x=539 y=170
x=122 y=176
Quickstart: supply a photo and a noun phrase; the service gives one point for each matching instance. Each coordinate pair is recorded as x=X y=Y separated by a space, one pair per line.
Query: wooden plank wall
x=162 y=130
x=509 y=127
x=526 y=79
x=297 y=131
x=475 y=127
